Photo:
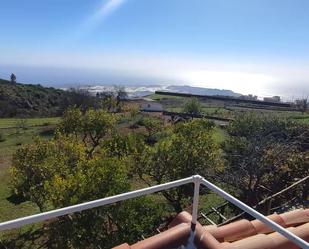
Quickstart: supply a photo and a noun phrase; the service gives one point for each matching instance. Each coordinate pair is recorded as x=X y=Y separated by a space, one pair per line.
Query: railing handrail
x=91 y=204
x=197 y=180
x=286 y=233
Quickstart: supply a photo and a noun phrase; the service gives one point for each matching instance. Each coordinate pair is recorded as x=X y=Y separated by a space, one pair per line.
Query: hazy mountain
x=141 y=91
x=202 y=91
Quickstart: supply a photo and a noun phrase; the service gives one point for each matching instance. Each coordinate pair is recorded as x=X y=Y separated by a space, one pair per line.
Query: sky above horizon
x=257 y=46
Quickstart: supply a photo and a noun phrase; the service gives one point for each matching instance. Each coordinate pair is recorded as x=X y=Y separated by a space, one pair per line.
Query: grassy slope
x=15 y=136
x=13 y=139
x=14 y=122
x=9 y=210
x=27 y=100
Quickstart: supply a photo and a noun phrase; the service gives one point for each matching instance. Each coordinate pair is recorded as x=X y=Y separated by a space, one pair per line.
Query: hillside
x=146 y=90
x=26 y=100
x=202 y=91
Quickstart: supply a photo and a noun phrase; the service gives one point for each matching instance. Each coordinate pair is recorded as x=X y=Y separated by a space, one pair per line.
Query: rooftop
x=287 y=230
x=242 y=234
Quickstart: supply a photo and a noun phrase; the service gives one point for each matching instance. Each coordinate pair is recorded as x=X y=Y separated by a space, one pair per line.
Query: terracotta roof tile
x=234 y=231
x=260 y=227
x=172 y=238
x=241 y=234
x=123 y=246
x=183 y=217
x=259 y=241
x=295 y=217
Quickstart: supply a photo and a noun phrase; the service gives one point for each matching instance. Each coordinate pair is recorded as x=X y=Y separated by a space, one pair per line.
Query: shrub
x=192 y=107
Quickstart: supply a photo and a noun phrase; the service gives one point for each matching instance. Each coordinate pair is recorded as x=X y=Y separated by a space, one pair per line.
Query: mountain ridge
x=142 y=91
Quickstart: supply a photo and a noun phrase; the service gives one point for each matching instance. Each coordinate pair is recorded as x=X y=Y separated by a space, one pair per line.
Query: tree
x=302 y=105
x=13 y=78
x=151 y=124
x=92 y=126
x=188 y=150
x=192 y=107
x=264 y=155
x=71 y=121
x=112 y=101
x=58 y=173
x=107 y=101
x=82 y=99
x=121 y=95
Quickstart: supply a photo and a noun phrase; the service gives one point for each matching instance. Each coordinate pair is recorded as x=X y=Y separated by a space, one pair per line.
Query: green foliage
x=37 y=164
x=265 y=155
x=120 y=146
x=71 y=122
x=108 y=102
x=188 y=150
x=57 y=173
x=151 y=124
x=192 y=106
x=91 y=126
x=113 y=101
x=121 y=95
x=96 y=124
x=63 y=171
x=25 y=100
x=106 y=227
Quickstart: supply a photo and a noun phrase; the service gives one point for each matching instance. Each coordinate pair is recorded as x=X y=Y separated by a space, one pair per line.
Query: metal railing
x=196 y=180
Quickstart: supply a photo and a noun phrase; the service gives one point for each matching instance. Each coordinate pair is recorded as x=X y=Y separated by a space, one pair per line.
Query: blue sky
x=249 y=46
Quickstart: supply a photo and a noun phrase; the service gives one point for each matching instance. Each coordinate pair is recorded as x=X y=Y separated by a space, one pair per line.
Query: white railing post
x=197 y=181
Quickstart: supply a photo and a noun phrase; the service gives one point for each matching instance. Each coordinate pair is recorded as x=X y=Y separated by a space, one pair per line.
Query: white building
x=149 y=105
x=272 y=99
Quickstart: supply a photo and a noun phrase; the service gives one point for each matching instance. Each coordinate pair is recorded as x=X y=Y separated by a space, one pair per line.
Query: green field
x=10 y=208
x=161 y=96
x=301 y=118
x=15 y=122
x=14 y=137
x=17 y=132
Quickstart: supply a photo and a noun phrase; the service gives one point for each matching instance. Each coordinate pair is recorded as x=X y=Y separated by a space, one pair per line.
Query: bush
x=193 y=107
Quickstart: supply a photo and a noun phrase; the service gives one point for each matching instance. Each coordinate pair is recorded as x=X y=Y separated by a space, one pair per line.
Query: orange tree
x=187 y=150
x=66 y=170
x=264 y=155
